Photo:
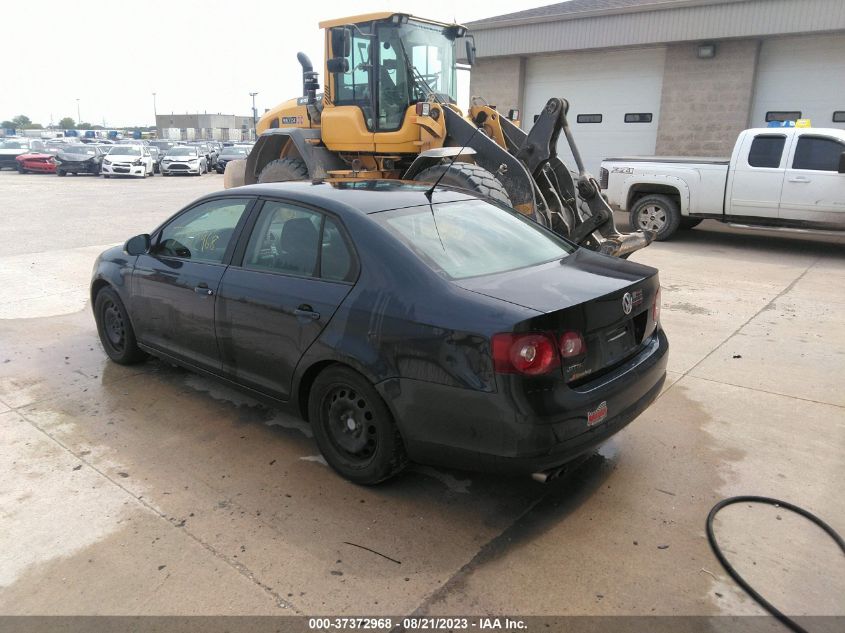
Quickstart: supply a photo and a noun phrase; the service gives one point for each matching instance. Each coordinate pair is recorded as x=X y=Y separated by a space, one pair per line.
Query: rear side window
x=472 y=238
x=817 y=153
x=295 y=241
x=766 y=151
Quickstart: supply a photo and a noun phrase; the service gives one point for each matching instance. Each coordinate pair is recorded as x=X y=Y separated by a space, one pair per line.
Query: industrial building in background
x=669 y=77
x=205 y=127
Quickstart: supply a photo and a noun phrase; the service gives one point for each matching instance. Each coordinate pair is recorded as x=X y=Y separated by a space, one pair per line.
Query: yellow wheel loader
x=388 y=110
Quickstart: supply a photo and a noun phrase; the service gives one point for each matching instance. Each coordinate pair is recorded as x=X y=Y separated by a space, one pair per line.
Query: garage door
x=802 y=75
x=614 y=99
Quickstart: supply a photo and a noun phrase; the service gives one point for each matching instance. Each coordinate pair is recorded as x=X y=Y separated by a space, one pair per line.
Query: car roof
x=365 y=196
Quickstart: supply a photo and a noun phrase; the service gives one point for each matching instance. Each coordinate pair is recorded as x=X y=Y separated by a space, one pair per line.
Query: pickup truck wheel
x=690 y=223
x=658 y=214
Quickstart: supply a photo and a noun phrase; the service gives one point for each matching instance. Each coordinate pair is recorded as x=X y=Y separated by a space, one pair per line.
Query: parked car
x=163 y=145
x=184 y=159
x=39 y=161
x=234 y=152
x=209 y=152
x=128 y=160
x=11 y=148
x=457 y=333
x=776 y=177
x=79 y=159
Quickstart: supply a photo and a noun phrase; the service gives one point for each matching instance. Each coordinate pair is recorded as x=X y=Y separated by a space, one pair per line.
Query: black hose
x=768 y=606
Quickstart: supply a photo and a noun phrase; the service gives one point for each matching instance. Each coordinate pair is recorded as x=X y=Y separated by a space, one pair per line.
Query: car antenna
x=430 y=192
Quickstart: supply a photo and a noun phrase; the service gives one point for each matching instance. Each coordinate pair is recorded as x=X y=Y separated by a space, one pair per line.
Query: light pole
x=78 y=116
x=155 y=114
x=252 y=94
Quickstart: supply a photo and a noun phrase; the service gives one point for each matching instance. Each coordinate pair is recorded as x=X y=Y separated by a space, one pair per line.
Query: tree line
x=23 y=122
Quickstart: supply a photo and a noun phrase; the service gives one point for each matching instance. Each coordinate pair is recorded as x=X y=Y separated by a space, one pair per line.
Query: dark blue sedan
x=451 y=331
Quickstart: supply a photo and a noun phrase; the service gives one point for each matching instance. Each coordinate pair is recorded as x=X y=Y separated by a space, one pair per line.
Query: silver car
x=184 y=159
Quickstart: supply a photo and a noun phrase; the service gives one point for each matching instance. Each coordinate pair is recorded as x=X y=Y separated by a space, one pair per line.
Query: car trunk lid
x=606 y=300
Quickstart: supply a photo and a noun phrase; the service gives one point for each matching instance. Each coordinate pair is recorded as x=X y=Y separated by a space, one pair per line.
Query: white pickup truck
x=776 y=177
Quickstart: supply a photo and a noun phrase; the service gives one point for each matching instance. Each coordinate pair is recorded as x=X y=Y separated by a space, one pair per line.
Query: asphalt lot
x=148 y=490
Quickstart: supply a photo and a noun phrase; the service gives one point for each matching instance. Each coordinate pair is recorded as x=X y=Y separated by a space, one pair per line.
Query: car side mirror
x=338 y=65
x=842 y=163
x=138 y=245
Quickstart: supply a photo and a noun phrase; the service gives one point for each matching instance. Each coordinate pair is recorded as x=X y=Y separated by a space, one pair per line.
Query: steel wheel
x=354 y=428
x=114 y=326
x=651 y=218
x=350 y=423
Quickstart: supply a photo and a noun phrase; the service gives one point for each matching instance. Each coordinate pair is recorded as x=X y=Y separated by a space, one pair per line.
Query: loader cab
x=378 y=69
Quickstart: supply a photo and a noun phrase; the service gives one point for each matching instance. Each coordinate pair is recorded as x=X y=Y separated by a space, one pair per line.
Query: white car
x=128 y=160
x=184 y=159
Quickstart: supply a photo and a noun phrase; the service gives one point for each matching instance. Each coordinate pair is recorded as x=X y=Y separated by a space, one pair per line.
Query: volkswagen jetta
x=403 y=324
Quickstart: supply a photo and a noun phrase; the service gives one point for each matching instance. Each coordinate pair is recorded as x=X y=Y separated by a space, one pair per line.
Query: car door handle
x=203 y=289
x=307 y=312
x=799 y=179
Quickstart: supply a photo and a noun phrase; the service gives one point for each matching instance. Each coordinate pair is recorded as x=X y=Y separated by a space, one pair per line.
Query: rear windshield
x=472 y=238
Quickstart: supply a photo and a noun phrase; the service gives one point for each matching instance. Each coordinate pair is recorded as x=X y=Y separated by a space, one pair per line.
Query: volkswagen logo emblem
x=627 y=303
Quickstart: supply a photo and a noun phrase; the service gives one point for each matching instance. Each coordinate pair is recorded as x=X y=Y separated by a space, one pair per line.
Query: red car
x=40 y=161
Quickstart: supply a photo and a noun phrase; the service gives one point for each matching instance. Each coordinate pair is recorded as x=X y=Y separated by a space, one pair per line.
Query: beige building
x=676 y=77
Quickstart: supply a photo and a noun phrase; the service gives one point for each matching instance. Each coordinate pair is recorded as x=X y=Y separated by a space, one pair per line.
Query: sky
x=197 y=56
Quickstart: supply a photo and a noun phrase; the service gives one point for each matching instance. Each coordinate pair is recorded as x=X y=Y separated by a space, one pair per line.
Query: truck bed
x=708 y=160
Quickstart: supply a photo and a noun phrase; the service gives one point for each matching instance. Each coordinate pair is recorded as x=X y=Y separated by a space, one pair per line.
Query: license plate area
x=618 y=343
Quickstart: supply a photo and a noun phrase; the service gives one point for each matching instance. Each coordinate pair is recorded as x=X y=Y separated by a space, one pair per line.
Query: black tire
x=106 y=176
x=690 y=223
x=354 y=428
x=283 y=170
x=21 y=170
x=115 y=329
x=61 y=172
x=656 y=213
x=467 y=176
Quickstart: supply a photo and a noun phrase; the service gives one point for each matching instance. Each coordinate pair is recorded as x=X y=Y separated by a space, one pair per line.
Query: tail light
x=572 y=345
x=604 y=178
x=655 y=308
x=531 y=354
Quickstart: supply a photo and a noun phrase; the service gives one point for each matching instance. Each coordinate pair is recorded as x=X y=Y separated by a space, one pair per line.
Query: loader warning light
x=424 y=108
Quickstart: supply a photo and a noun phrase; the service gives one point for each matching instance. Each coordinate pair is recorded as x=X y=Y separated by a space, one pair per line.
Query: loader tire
x=282 y=170
x=467 y=176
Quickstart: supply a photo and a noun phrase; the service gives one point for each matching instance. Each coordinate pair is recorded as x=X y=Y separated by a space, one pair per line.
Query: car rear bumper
x=478 y=430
